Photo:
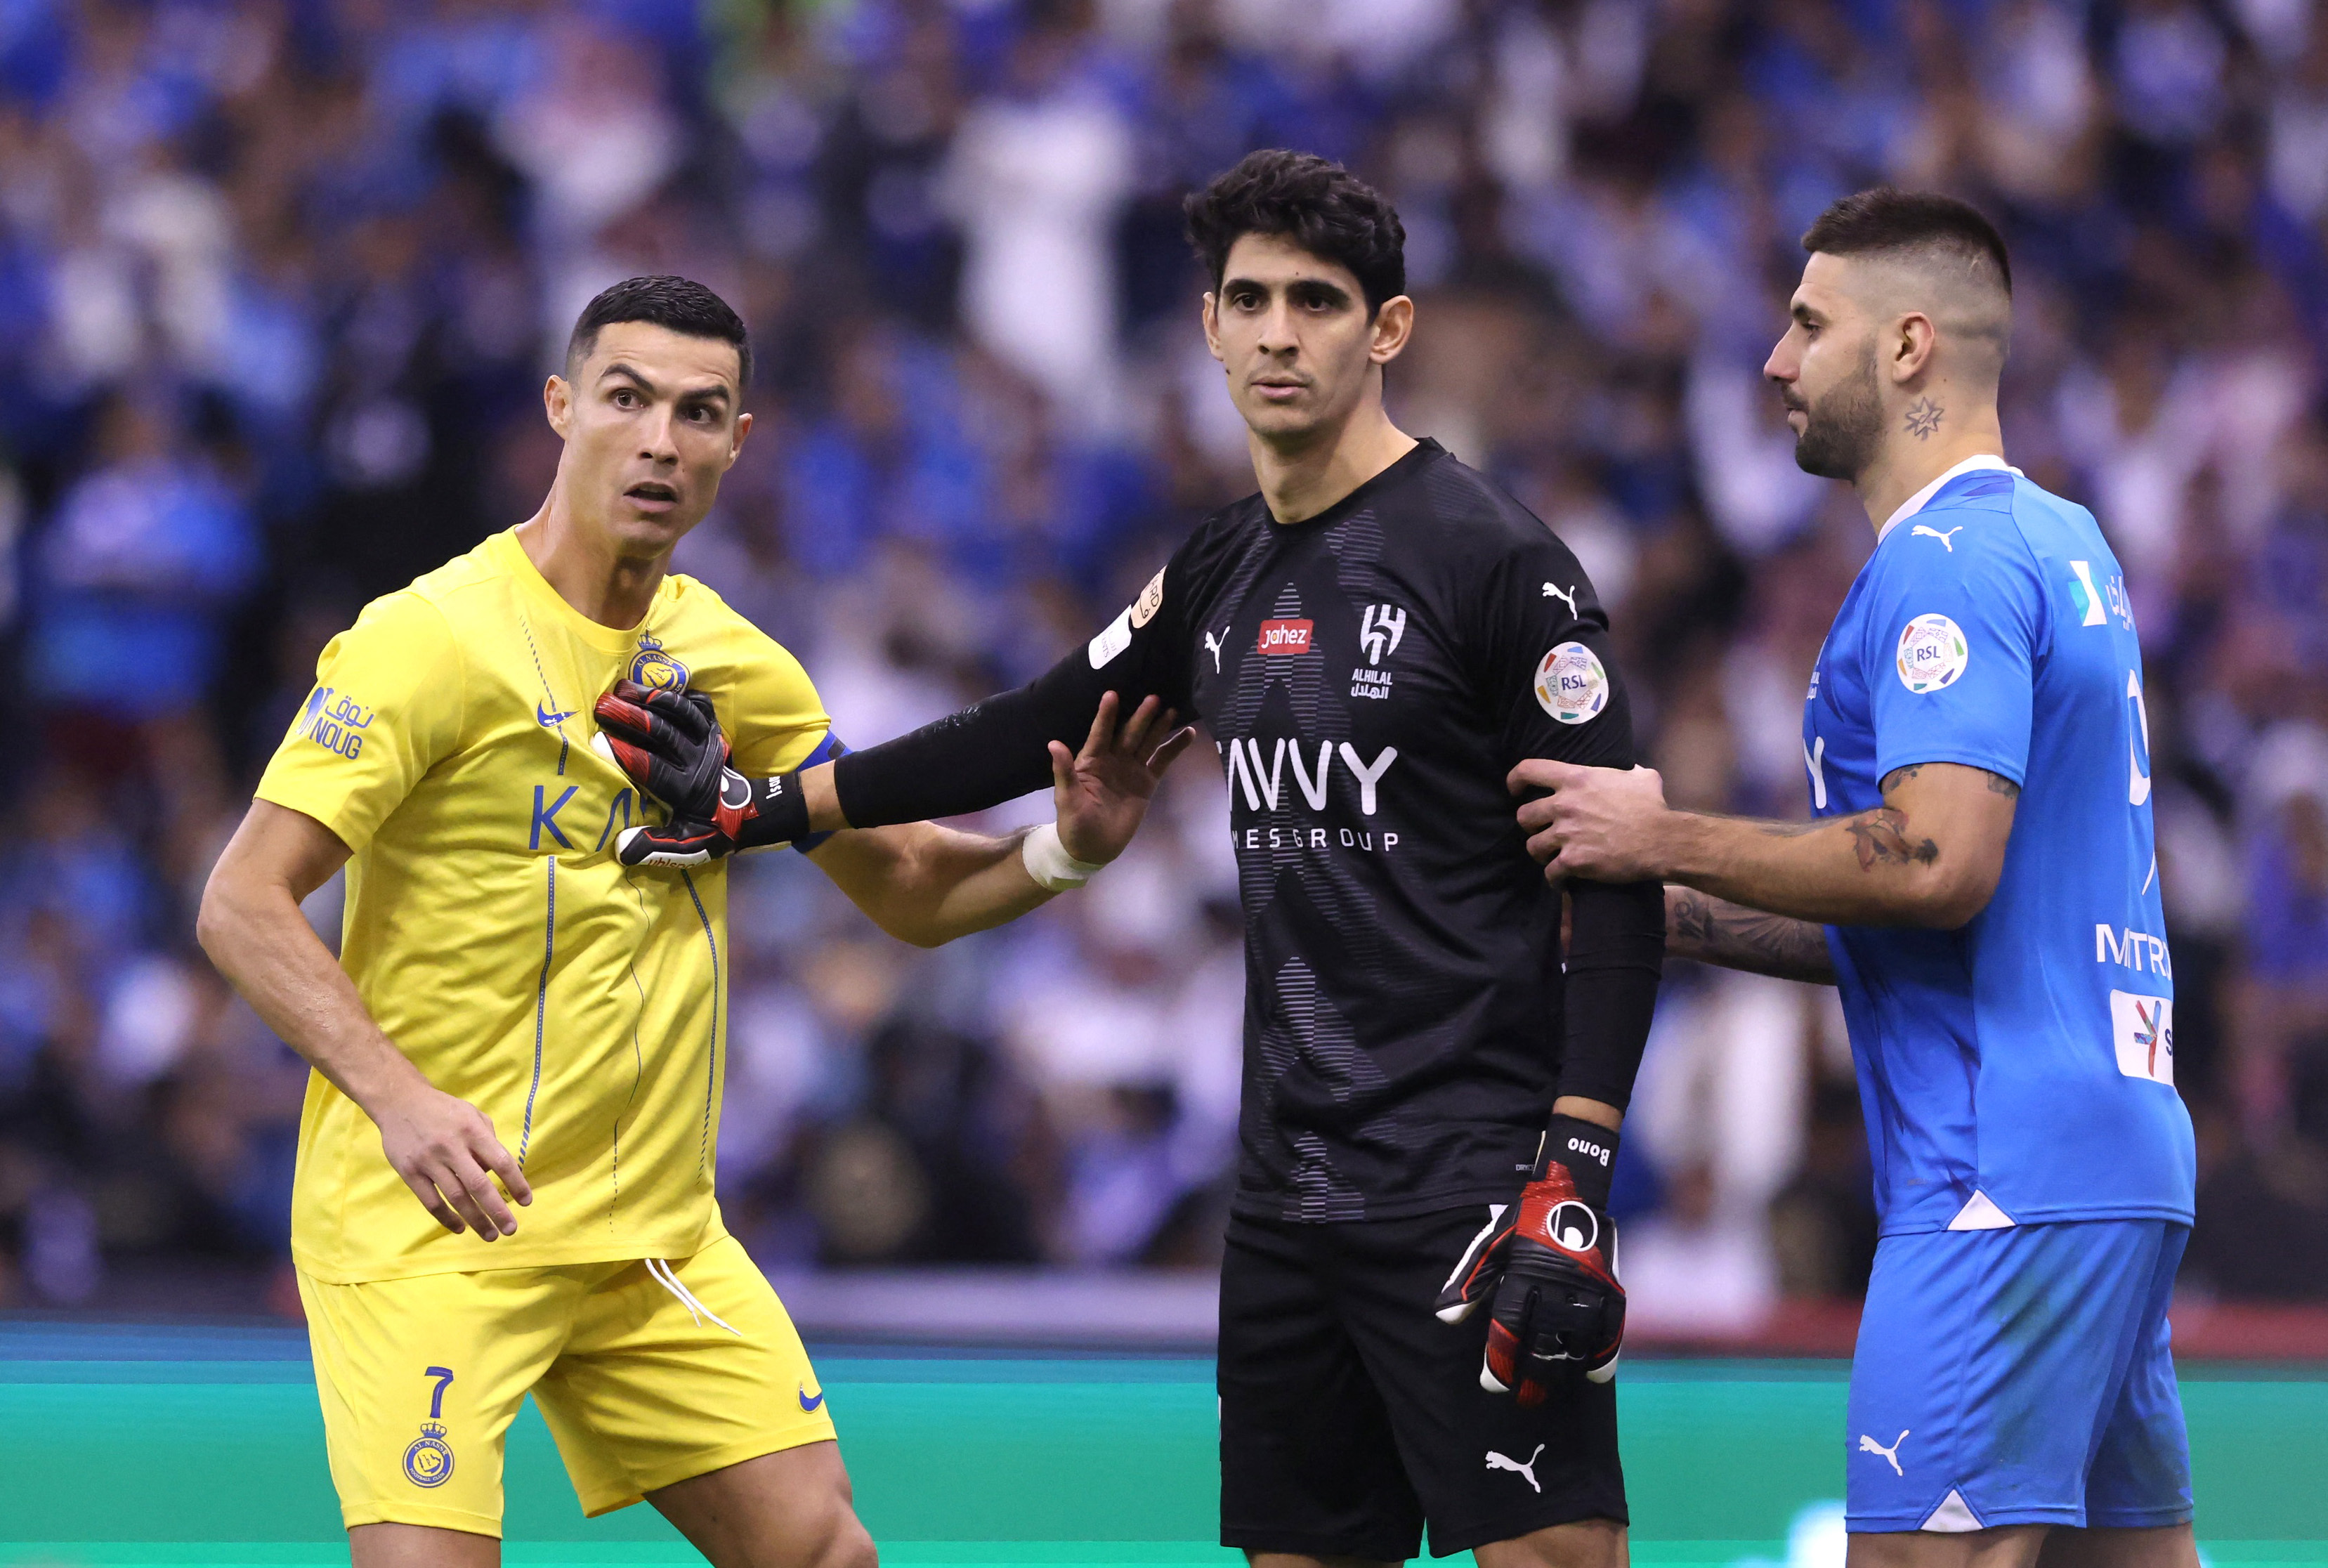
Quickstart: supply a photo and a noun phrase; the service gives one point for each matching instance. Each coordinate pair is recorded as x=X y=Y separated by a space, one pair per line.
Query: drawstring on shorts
x=669 y=1280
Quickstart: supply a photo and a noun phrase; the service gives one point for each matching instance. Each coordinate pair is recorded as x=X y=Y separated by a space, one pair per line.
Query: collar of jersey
x=1922 y=498
x=1424 y=450
x=511 y=557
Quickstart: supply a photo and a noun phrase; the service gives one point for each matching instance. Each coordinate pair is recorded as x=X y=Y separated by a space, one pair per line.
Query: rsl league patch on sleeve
x=1569 y=683
x=1932 y=653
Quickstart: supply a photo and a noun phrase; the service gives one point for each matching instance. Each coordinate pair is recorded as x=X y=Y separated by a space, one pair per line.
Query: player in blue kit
x=1979 y=879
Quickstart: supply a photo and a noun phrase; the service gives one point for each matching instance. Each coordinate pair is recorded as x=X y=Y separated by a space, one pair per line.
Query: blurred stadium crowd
x=279 y=282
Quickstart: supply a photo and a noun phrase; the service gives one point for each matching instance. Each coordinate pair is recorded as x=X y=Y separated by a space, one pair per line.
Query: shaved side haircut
x=681 y=305
x=1942 y=240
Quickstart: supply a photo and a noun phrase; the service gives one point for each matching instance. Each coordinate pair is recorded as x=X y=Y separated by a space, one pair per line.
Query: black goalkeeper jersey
x=1369 y=677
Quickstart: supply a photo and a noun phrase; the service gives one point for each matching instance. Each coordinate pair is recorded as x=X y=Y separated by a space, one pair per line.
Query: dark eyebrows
x=1319 y=290
x=716 y=390
x=617 y=368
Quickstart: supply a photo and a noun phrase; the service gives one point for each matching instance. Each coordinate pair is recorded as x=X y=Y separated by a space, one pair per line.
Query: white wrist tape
x=1048 y=862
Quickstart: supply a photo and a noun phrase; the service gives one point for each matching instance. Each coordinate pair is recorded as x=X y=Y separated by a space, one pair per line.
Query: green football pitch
x=123 y=1446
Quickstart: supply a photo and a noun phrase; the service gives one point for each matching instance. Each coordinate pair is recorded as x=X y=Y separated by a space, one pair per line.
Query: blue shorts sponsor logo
x=808 y=1402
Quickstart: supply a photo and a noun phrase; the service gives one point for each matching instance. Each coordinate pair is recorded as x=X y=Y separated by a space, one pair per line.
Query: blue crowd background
x=279 y=283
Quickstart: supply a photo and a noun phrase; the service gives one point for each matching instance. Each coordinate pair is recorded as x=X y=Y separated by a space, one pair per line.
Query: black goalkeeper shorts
x=1350 y=1414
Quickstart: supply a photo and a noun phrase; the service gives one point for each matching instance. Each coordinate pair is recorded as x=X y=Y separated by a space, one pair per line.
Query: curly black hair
x=1318 y=205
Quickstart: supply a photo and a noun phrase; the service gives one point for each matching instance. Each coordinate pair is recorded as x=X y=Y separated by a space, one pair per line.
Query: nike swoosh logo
x=550 y=720
x=808 y=1403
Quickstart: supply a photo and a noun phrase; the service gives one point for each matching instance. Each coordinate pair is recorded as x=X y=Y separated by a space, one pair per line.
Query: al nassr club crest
x=655 y=669
x=428 y=1462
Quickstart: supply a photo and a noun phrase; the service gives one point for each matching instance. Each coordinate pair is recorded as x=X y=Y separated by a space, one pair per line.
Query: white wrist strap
x=1048 y=862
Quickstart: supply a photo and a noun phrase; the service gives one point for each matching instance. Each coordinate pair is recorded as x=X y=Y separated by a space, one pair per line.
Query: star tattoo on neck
x=1923 y=418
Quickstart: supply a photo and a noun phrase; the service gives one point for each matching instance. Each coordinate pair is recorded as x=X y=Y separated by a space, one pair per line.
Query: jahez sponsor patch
x=1285 y=636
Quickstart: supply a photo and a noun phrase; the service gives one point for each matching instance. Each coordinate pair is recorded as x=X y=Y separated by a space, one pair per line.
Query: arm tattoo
x=1715 y=930
x=1924 y=419
x=1881 y=837
x=1897 y=773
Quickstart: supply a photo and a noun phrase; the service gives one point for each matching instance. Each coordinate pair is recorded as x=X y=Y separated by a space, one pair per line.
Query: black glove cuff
x=780 y=812
x=1588 y=1149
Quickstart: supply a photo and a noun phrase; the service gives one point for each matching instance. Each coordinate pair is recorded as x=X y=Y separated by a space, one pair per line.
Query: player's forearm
x=974 y=883
x=1878 y=868
x=257 y=936
x=927 y=885
x=1711 y=930
x=824 y=813
x=991 y=752
x=1615 y=960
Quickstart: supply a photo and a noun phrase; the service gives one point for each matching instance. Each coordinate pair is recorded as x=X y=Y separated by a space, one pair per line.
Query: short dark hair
x=1882 y=219
x=681 y=304
x=1318 y=205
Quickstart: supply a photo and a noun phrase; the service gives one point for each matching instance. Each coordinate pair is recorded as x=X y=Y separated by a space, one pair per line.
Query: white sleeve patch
x=1932 y=653
x=1112 y=641
x=1569 y=683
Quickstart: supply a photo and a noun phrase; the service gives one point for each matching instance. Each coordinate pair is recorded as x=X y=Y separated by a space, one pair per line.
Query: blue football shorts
x=2019 y=1376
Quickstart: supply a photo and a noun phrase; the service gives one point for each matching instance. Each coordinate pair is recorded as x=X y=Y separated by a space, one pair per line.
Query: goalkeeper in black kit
x=1431 y=1105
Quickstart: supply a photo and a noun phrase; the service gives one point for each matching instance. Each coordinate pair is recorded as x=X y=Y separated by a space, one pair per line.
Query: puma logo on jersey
x=1947 y=539
x=1567 y=597
x=1496 y=1462
x=1213 y=644
x=1890 y=1455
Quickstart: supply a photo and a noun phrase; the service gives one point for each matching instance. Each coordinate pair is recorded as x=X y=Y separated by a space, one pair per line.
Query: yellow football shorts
x=647 y=1373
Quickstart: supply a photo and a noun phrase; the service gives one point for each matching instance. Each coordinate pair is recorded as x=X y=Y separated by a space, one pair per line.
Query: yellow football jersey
x=490 y=930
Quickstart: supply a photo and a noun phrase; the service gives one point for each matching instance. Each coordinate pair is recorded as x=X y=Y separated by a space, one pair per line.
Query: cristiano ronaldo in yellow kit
x=517 y=1015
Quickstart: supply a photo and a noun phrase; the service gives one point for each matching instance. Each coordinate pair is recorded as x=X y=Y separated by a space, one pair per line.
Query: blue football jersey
x=2021 y=1069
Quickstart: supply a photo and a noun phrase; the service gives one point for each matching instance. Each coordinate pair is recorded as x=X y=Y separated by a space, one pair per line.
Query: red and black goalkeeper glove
x=670 y=744
x=1549 y=1270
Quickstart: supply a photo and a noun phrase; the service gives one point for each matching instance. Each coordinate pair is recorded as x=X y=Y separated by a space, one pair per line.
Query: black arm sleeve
x=1544 y=625
x=999 y=749
x=1616 y=956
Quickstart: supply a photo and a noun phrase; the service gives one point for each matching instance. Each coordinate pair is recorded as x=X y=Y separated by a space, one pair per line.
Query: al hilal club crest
x=655 y=669
x=428 y=1462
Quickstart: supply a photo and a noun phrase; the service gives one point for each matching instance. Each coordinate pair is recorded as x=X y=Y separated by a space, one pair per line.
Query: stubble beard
x=1842 y=430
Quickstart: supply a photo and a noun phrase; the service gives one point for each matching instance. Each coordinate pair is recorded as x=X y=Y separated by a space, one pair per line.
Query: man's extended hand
x=447 y=1153
x=1601 y=822
x=1103 y=791
x=1550 y=1271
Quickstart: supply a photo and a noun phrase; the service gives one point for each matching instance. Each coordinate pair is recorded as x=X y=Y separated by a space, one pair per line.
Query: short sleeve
x=1545 y=660
x=775 y=719
x=1955 y=625
x=387 y=706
